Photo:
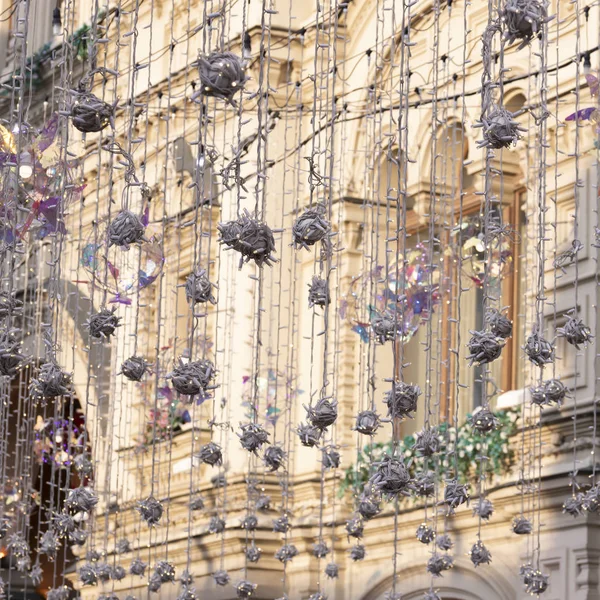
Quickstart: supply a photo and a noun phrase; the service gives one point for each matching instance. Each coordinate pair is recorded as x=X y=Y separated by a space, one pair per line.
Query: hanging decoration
x=179 y=420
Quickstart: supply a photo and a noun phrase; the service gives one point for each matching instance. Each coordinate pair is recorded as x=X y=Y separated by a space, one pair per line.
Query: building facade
x=368 y=107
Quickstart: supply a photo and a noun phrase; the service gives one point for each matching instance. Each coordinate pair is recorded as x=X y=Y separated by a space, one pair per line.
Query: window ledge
x=513 y=398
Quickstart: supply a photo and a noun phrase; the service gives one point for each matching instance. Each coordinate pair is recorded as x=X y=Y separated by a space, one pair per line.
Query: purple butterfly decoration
x=591 y=112
x=363 y=330
x=50 y=210
x=582 y=115
x=166 y=392
x=118 y=299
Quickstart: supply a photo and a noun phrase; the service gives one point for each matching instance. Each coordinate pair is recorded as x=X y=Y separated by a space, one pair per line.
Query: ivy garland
x=501 y=456
x=79 y=41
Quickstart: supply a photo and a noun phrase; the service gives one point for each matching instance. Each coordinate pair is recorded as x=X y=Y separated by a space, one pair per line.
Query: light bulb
x=56 y=22
x=25 y=166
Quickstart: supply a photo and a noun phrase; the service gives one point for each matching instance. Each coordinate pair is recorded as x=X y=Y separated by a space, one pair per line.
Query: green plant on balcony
x=470 y=445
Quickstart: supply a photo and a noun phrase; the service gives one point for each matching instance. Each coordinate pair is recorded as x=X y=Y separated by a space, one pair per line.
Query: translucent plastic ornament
x=470 y=246
x=121 y=273
x=409 y=291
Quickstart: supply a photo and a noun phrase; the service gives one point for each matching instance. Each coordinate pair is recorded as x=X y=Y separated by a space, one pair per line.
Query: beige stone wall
x=570 y=550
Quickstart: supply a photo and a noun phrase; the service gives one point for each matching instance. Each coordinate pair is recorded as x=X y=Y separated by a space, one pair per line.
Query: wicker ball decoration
x=199 y=289
x=355 y=527
x=83 y=465
x=154 y=583
x=59 y=593
x=332 y=571
x=252 y=437
x=522 y=525
x=479 y=554
x=93 y=555
x=526 y=573
x=322 y=414
x=35 y=575
x=282 y=524
x=87 y=575
x=135 y=367
x=358 y=553
x=89 y=114
x=51 y=382
x=126 y=229
x=62 y=523
x=197 y=504
x=249 y=523
x=310 y=227
x=103 y=572
x=500 y=325
x=439 y=563
x=80 y=499
x=221 y=75
x=401 y=400
x=123 y=546
x=186 y=578
x=548 y=393
x=455 y=493
x=535 y=581
x=11 y=359
x=427 y=442
x=118 y=573
x=483 y=420
x=309 y=435
x=251 y=238
x=500 y=130
x=286 y=553
x=274 y=458
x=253 y=553
x=138 y=567
x=444 y=542
x=315 y=596
x=151 y=510
x=391 y=478
x=263 y=502
x=320 y=549
x=425 y=484
x=221 y=578
x=484 y=347
x=330 y=457
x=591 y=499
x=318 y=292
x=483 y=509
x=368 y=506
x=539 y=350
x=385 y=326
x=523 y=19
x=576 y=332
x=425 y=534
x=428 y=595
x=574 y=505
x=9 y=305
x=49 y=544
x=211 y=454
x=18 y=546
x=216 y=525
x=103 y=324
x=187 y=593
x=193 y=378
x=78 y=537
x=245 y=589
x=367 y=422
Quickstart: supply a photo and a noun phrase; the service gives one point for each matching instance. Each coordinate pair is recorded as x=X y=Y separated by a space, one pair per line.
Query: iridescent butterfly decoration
x=590 y=113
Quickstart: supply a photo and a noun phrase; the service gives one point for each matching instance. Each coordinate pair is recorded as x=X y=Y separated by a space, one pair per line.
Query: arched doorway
x=461 y=583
